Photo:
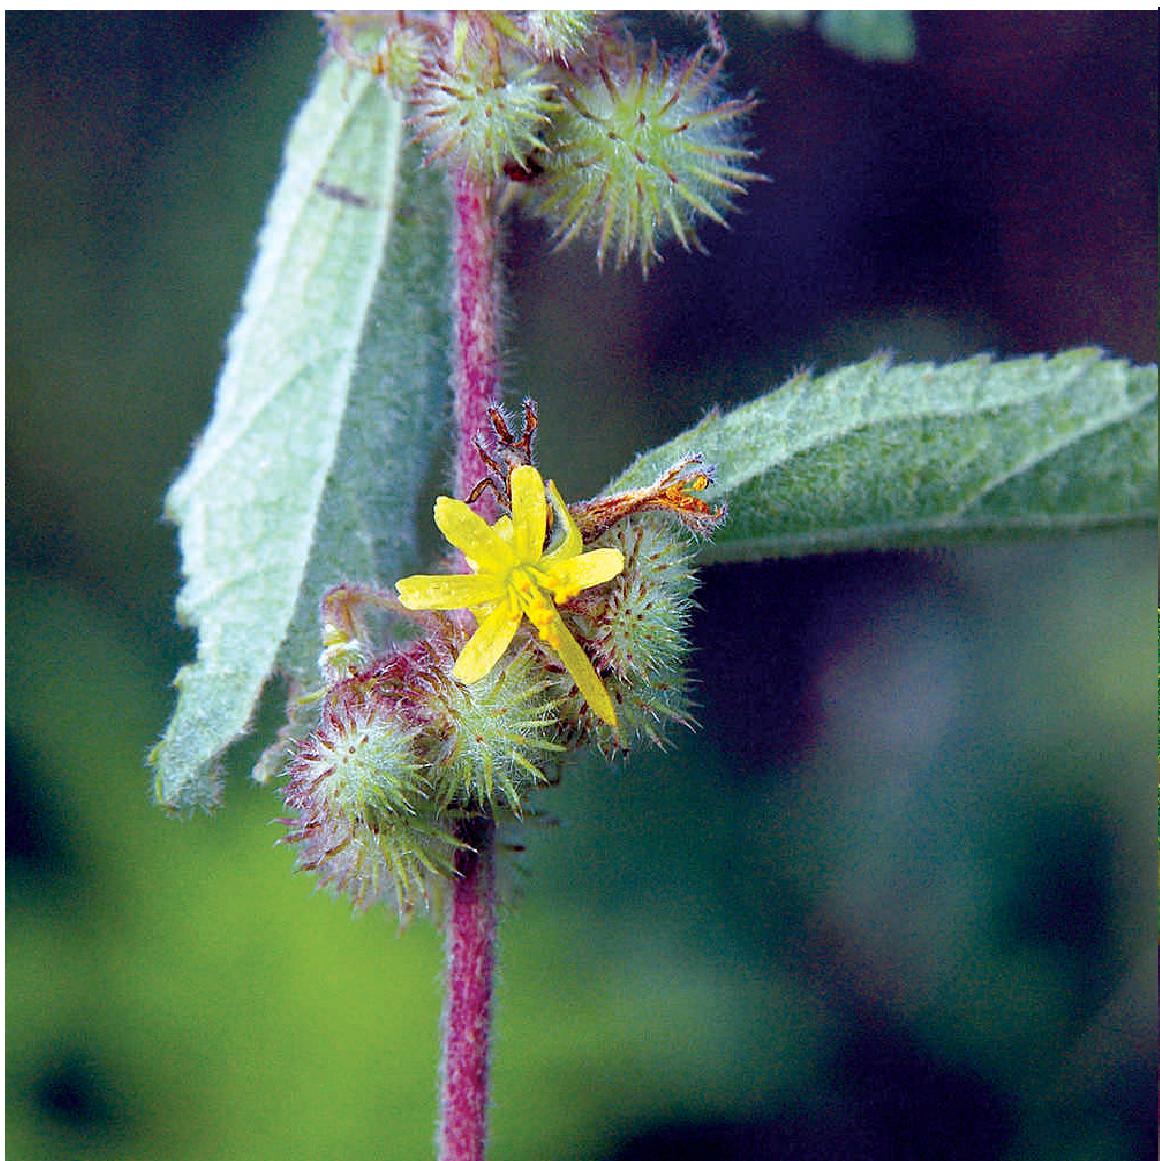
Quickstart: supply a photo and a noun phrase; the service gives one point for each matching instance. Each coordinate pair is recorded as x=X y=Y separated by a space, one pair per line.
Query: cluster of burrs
x=563 y=112
x=554 y=629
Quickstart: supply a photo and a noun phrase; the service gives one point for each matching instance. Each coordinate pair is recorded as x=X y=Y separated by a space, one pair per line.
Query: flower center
x=528 y=585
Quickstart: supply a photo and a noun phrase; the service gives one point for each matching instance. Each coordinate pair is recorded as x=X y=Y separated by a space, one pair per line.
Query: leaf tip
x=182 y=788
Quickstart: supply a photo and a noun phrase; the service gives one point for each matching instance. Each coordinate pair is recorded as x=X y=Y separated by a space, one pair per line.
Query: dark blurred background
x=894 y=900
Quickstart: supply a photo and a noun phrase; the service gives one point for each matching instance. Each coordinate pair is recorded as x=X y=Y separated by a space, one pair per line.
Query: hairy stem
x=471 y=920
x=471 y=931
x=476 y=324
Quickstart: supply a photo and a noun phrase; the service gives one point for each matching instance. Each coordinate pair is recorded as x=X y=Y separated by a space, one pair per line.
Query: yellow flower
x=514 y=576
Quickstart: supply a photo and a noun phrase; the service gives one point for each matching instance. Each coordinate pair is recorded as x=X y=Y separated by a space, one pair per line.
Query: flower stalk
x=471 y=918
x=471 y=932
x=476 y=322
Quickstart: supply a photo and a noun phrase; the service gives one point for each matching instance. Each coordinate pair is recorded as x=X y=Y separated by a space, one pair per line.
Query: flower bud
x=638 y=153
x=494 y=737
x=560 y=34
x=633 y=628
x=379 y=43
x=484 y=106
x=363 y=821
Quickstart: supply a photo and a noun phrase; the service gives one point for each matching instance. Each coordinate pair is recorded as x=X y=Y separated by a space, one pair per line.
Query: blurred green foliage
x=910 y=916
x=870 y=35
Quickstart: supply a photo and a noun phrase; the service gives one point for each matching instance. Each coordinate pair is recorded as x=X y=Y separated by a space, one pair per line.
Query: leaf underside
x=326 y=421
x=881 y=456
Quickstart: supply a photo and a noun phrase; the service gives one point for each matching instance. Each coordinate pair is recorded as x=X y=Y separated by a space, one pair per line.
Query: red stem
x=476 y=325
x=471 y=931
x=471 y=920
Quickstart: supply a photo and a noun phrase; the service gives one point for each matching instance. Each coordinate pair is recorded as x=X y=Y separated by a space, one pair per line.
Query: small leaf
x=326 y=422
x=880 y=456
x=870 y=36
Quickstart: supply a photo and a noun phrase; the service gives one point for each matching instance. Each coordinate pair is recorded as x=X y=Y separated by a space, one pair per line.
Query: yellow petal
x=583 y=674
x=503 y=529
x=565 y=578
x=473 y=536
x=567 y=536
x=529 y=513
x=486 y=647
x=448 y=592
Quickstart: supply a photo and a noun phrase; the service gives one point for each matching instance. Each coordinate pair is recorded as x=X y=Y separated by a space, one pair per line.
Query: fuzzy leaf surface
x=325 y=422
x=881 y=456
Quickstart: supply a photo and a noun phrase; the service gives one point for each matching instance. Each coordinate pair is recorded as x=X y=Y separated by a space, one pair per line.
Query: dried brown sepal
x=674 y=493
x=505 y=452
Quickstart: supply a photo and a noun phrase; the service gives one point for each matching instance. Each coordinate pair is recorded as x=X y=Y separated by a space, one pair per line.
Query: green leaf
x=881 y=456
x=327 y=419
x=870 y=36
